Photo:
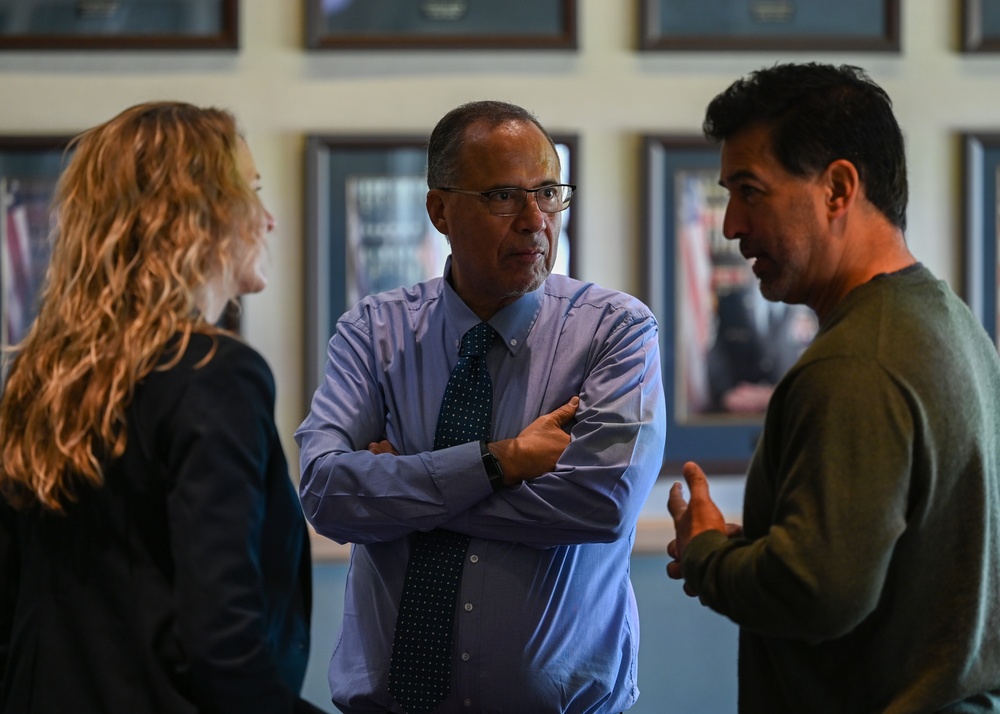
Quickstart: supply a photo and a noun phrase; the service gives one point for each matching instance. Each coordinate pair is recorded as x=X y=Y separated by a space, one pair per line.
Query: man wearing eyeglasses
x=543 y=506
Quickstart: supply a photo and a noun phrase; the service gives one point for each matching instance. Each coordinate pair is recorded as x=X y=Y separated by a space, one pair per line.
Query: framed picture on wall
x=981 y=265
x=367 y=228
x=723 y=346
x=748 y=25
x=119 y=25
x=29 y=169
x=440 y=24
x=981 y=25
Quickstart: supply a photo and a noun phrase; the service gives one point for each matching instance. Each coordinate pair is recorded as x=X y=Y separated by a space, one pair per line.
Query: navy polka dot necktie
x=420 y=668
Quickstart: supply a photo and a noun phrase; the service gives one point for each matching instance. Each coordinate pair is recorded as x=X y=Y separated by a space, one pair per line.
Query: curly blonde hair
x=151 y=208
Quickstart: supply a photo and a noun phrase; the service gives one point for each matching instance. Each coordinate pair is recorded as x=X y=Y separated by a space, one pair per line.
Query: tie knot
x=476 y=342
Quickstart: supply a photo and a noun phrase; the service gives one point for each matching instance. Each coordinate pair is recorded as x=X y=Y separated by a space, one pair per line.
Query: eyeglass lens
x=550 y=199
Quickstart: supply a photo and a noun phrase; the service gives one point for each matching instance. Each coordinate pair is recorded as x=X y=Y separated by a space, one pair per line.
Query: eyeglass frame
x=486 y=195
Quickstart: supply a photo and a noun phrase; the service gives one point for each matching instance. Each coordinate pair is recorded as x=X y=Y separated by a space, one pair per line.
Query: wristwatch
x=492 y=464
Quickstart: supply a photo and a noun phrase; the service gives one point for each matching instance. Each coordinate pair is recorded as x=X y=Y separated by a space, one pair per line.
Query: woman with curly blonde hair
x=153 y=555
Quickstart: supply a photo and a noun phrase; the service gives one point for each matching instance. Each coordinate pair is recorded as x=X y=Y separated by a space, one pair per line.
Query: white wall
x=606 y=92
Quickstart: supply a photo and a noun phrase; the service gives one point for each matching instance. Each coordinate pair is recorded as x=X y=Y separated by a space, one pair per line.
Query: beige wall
x=606 y=92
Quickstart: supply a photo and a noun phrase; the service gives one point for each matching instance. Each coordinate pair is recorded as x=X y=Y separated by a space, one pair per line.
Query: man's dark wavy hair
x=816 y=114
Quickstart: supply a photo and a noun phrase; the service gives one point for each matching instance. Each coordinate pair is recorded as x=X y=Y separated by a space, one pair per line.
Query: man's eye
x=549 y=192
x=501 y=196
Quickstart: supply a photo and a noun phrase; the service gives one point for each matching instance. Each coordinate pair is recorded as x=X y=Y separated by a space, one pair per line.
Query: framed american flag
x=29 y=169
x=724 y=347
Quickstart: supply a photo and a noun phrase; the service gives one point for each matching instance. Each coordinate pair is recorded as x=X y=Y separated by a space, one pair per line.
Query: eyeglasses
x=510 y=201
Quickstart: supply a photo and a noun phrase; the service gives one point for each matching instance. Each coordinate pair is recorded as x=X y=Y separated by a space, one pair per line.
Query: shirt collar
x=512 y=323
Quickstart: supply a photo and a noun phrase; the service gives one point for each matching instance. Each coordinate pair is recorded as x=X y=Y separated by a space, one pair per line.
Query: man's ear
x=843 y=186
x=435 y=209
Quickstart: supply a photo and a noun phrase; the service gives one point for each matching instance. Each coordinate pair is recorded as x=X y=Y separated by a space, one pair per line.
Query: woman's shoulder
x=216 y=371
x=203 y=348
x=215 y=356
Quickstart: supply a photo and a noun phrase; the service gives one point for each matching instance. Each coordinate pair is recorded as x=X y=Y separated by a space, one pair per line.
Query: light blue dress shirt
x=546 y=618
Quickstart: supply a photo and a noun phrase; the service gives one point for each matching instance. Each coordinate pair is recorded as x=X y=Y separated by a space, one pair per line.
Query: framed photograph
x=29 y=169
x=981 y=25
x=748 y=25
x=724 y=347
x=440 y=24
x=119 y=24
x=367 y=228
x=981 y=189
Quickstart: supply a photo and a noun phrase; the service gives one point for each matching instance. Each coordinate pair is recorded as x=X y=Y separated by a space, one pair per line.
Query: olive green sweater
x=868 y=576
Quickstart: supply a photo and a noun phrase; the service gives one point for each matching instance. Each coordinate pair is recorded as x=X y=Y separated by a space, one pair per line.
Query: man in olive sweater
x=866 y=577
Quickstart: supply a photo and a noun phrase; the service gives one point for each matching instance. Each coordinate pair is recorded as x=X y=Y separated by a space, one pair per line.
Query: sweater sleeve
x=836 y=464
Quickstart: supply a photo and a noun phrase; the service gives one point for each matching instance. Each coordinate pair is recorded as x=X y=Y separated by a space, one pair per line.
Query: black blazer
x=184 y=584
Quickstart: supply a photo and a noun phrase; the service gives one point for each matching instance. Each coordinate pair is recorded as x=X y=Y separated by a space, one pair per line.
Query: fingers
x=566 y=412
x=674 y=570
x=676 y=503
x=696 y=480
x=697 y=485
x=691 y=517
x=382 y=447
x=674 y=573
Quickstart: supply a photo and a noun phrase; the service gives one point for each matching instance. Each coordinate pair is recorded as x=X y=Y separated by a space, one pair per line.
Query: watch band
x=492 y=465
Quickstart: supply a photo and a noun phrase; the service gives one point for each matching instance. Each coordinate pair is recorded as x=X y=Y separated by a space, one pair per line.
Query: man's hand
x=538 y=447
x=531 y=453
x=382 y=447
x=692 y=517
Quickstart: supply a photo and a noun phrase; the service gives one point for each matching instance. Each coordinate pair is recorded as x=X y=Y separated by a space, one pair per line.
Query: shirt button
x=474 y=558
x=467 y=703
x=465 y=656
x=468 y=607
x=513 y=343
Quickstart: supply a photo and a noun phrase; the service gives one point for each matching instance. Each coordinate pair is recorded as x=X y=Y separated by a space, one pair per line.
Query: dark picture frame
x=441 y=24
x=981 y=228
x=367 y=227
x=723 y=347
x=769 y=25
x=119 y=25
x=29 y=169
x=980 y=26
